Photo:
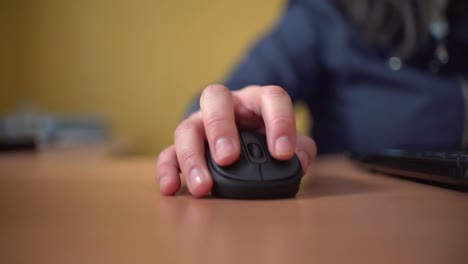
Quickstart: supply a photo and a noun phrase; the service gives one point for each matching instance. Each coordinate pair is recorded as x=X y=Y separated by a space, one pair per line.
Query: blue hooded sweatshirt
x=359 y=101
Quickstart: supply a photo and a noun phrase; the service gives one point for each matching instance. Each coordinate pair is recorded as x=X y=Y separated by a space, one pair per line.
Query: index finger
x=217 y=109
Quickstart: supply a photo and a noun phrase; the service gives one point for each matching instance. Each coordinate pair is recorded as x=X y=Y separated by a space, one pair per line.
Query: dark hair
x=402 y=26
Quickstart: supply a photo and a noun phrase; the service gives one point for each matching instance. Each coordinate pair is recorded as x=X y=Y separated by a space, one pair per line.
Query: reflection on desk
x=86 y=207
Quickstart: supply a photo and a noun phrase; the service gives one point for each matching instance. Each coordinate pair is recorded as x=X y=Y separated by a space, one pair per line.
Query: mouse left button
x=241 y=170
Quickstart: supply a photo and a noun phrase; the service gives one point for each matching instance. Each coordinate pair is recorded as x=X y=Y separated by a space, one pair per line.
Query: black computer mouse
x=256 y=174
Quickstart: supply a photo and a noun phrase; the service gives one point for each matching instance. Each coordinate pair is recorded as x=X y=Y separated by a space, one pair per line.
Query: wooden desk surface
x=82 y=207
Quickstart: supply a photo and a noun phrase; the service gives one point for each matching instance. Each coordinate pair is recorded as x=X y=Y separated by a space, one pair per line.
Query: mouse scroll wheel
x=255 y=151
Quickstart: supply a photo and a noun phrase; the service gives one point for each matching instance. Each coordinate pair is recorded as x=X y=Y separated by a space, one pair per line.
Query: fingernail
x=224 y=147
x=164 y=181
x=195 y=177
x=283 y=146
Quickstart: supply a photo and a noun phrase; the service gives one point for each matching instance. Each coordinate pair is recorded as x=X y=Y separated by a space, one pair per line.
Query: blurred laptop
x=446 y=169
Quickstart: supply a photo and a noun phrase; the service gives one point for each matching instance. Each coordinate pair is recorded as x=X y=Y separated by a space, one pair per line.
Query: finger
x=278 y=114
x=274 y=105
x=306 y=151
x=280 y=124
x=189 y=138
x=168 y=171
x=217 y=109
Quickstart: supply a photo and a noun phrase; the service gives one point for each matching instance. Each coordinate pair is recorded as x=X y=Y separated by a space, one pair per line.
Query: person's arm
x=288 y=55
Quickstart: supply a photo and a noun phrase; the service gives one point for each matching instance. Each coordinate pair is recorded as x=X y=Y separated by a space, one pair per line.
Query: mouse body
x=256 y=174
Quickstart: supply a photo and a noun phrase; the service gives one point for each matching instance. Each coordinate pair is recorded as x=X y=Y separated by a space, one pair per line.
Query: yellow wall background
x=136 y=62
x=9 y=91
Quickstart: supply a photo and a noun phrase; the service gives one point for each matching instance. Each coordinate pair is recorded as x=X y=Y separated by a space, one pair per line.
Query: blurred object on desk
x=136 y=63
x=17 y=144
x=27 y=128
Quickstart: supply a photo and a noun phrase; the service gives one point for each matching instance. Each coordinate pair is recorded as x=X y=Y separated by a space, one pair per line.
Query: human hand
x=266 y=109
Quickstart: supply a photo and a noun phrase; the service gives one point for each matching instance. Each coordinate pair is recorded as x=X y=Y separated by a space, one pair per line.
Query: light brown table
x=86 y=207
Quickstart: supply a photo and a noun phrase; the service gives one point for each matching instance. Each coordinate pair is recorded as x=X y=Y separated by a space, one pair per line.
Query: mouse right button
x=281 y=169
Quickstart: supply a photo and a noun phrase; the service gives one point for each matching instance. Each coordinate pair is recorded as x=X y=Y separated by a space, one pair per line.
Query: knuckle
x=187 y=156
x=163 y=156
x=214 y=122
x=183 y=128
x=281 y=121
x=274 y=91
x=213 y=90
x=167 y=151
